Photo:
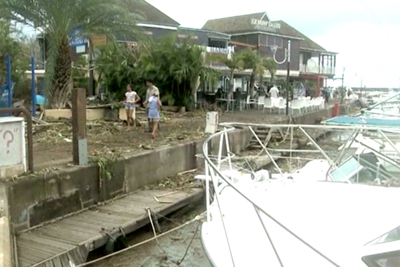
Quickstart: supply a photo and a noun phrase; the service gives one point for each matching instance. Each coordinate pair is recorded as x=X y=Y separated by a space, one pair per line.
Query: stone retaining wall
x=41 y=198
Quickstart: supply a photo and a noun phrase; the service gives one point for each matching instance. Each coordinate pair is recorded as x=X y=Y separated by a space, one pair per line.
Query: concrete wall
x=91 y=114
x=6 y=241
x=39 y=198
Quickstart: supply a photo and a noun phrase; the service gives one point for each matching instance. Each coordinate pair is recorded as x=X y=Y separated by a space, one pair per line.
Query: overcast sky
x=365 y=33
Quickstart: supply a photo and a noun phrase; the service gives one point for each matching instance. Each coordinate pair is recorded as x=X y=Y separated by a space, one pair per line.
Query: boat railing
x=214 y=172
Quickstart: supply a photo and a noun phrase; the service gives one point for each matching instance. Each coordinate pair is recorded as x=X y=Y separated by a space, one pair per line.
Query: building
x=156 y=25
x=309 y=61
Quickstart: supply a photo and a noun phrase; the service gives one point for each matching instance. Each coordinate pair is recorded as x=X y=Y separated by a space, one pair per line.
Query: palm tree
x=234 y=63
x=199 y=71
x=271 y=66
x=59 y=18
x=258 y=64
x=184 y=63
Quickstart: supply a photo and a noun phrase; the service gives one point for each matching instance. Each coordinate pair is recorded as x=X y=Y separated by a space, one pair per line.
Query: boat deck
x=72 y=238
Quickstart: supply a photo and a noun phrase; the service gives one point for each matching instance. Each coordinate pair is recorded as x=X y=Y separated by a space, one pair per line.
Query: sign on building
x=265 y=25
x=77 y=41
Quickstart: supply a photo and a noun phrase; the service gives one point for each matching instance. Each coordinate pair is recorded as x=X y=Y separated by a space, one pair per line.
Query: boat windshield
x=346 y=171
x=359 y=168
x=393 y=235
x=390 y=255
x=388 y=259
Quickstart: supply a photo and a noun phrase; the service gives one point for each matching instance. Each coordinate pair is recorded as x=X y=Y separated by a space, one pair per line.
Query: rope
x=154 y=229
x=197 y=218
x=190 y=243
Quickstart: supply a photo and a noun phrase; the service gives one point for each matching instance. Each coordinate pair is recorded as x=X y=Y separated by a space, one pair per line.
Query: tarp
x=362 y=120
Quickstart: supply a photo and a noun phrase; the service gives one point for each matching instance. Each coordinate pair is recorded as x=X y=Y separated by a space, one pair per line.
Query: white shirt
x=151 y=91
x=130 y=97
x=274 y=92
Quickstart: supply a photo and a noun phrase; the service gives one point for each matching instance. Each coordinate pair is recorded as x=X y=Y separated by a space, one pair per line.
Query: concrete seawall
x=44 y=197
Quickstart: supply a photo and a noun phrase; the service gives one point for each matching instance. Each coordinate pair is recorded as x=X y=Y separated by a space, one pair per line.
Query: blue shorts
x=153 y=114
x=129 y=106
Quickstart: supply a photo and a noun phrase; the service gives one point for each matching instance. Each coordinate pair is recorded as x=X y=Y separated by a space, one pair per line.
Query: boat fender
x=262 y=175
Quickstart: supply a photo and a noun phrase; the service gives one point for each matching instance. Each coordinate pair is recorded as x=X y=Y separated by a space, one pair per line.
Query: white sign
x=265 y=24
x=211 y=122
x=12 y=141
x=217 y=50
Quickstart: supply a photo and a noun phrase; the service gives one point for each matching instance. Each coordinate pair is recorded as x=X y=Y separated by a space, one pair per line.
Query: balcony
x=315 y=69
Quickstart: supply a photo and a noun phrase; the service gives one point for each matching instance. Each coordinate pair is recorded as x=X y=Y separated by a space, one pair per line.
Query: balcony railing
x=305 y=69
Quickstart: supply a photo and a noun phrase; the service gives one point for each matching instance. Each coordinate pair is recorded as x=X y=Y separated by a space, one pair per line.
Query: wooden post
x=79 y=140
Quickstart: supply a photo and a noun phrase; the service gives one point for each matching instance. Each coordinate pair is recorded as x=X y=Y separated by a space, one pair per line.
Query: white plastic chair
x=281 y=105
x=308 y=104
x=296 y=105
x=268 y=104
x=316 y=103
x=260 y=102
x=250 y=101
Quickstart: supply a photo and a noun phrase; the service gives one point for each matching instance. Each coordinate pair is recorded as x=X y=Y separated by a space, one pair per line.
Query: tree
x=10 y=44
x=117 y=66
x=178 y=66
x=234 y=63
x=60 y=19
x=271 y=66
x=258 y=64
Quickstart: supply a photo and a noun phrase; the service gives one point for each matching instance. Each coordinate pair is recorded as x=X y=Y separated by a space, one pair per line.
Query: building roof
x=234 y=24
x=306 y=43
x=210 y=33
x=245 y=23
x=149 y=13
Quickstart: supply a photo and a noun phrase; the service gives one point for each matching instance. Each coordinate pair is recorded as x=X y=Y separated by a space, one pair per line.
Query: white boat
x=261 y=218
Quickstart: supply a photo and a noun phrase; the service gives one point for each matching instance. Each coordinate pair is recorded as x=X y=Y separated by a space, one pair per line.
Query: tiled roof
x=149 y=13
x=306 y=43
x=234 y=24
x=210 y=33
x=243 y=24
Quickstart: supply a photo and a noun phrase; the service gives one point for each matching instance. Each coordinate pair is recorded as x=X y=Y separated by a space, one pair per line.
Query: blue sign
x=76 y=39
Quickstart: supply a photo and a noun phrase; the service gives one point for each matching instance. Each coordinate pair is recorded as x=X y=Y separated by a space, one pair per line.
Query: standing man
x=274 y=92
x=151 y=90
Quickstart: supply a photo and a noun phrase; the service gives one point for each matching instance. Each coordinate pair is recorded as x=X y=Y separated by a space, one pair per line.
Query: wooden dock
x=72 y=238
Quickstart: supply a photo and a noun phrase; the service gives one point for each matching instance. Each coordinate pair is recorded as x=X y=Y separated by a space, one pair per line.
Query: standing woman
x=154 y=105
x=132 y=98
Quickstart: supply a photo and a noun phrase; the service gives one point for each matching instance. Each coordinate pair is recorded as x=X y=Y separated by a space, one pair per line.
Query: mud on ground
x=53 y=145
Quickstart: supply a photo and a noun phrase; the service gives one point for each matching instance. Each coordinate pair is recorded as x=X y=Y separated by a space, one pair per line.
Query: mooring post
x=33 y=88
x=79 y=138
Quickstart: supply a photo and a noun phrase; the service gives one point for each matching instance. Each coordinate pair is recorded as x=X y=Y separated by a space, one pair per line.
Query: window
x=273 y=40
x=346 y=170
x=389 y=259
x=393 y=235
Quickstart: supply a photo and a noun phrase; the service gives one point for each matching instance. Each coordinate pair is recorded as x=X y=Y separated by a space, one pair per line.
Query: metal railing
x=214 y=173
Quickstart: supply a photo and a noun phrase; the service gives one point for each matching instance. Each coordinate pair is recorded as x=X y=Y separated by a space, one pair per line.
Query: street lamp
x=287 y=58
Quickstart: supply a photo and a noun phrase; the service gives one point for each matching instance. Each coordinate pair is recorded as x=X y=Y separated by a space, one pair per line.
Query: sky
x=366 y=34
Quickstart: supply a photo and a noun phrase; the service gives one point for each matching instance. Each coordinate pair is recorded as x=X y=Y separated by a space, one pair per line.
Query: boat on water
x=323 y=212
x=383 y=115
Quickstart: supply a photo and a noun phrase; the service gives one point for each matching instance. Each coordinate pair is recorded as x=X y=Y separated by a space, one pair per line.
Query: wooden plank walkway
x=72 y=238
